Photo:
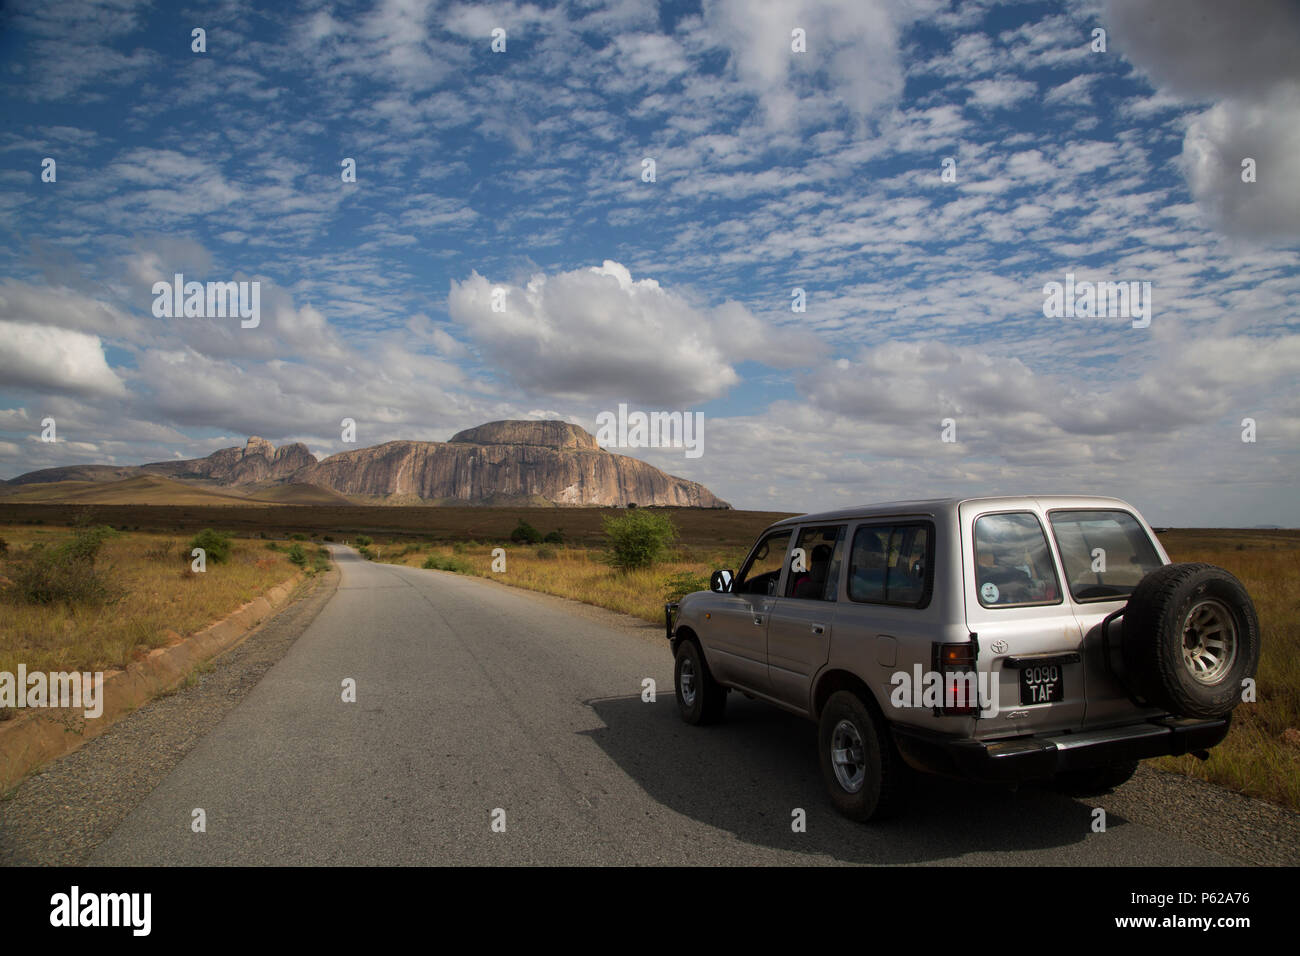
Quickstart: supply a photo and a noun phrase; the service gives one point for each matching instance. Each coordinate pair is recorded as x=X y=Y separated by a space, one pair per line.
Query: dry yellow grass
x=579 y=574
x=1254 y=759
x=159 y=596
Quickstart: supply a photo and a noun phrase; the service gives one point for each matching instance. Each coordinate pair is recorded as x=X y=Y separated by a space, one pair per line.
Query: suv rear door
x=1105 y=551
x=1029 y=638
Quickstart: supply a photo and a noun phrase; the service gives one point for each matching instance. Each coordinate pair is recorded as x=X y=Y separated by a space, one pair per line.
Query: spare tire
x=1191 y=637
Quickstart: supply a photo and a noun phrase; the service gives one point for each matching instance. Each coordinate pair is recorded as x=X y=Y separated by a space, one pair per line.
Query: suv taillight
x=955 y=664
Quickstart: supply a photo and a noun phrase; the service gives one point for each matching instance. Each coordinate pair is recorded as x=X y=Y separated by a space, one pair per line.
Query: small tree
x=43 y=575
x=638 y=538
x=214 y=543
x=525 y=533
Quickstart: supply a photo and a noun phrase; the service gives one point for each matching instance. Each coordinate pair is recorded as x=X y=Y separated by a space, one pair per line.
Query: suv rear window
x=1013 y=566
x=1105 y=553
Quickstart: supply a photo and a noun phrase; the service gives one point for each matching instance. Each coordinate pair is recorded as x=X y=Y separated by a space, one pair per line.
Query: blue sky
x=522 y=170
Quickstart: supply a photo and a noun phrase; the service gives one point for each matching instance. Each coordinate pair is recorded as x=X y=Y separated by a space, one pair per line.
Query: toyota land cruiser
x=1000 y=638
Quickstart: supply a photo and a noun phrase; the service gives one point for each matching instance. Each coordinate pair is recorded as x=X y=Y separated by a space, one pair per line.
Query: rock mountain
x=500 y=463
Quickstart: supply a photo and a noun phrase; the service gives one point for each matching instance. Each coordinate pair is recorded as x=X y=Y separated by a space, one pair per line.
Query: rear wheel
x=1191 y=637
x=864 y=774
x=700 y=698
x=1095 y=780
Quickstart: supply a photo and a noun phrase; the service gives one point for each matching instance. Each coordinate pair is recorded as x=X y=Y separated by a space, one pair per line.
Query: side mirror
x=720 y=582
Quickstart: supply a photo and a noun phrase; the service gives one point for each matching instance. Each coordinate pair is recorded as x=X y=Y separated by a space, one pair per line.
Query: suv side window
x=1105 y=553
x=823 y=550
x=763 y=570
x=1013 y=566
x=890 y=564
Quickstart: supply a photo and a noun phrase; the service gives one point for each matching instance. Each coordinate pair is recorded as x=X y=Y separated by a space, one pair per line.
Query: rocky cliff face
x=507 y=461
x=550 y=434
x=521 y=462
x=258 y=460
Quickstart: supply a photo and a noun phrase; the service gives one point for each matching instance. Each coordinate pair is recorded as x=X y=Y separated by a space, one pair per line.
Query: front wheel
x=863 y=771
x=700 y=699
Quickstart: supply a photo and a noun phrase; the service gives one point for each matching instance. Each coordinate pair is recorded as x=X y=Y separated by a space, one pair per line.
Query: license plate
x=1041 y=684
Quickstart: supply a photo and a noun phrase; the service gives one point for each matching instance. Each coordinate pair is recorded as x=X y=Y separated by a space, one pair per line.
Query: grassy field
x=578 y=573
x=1255 y=759
x=156 y=597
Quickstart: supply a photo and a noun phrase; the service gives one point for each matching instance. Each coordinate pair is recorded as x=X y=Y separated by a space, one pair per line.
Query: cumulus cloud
x=22 y=302
x=1267 y=132
x=55 y=359
x=1241 y=55
x=599 y=334
x=914 y=384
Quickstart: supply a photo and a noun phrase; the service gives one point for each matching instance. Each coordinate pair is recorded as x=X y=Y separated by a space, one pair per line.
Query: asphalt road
x=472 y=696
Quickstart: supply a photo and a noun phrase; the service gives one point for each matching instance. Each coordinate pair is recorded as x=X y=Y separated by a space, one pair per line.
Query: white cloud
x=45 y=357
x=851 y=44
x=1241 y=55
x=1000 y=93
x=1268 y=132
x=598 y=334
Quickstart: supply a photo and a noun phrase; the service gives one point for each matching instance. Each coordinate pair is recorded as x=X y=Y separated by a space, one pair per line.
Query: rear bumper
x=1027 y=758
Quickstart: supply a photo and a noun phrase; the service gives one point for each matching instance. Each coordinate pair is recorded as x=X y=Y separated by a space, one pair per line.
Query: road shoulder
x=61 y=812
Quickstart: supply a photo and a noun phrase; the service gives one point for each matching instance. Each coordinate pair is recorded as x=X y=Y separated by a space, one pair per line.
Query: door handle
x=819 y=628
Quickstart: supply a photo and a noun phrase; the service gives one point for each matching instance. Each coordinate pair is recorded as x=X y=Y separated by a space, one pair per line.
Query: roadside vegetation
x=1261 y=755
x=92 y=598
x=641 y=562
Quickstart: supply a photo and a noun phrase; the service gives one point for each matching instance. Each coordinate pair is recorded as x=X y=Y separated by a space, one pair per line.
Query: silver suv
x=1000 y=638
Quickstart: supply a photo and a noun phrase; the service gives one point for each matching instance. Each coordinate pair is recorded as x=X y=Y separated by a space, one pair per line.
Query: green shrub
x=43 y=574
x=214 y=543
x=638 y=539
x=363 y=541
x=366 y=553
x=329 y=537
x=298 y=536
x=525 y=533
x=4 y=546
x=459 y=548
x=436 y=562
x=297 y=555
x=677 y=586
x=554 y=537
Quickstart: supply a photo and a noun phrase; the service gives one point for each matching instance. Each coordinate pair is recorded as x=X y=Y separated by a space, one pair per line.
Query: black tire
x=1095 y=780
x=704 y=700
x=1195 y=605
x=885 y=778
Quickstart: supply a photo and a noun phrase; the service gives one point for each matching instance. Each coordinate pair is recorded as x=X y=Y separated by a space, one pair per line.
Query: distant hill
x=299 y=494
x=500 y=463
x=136 y=490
